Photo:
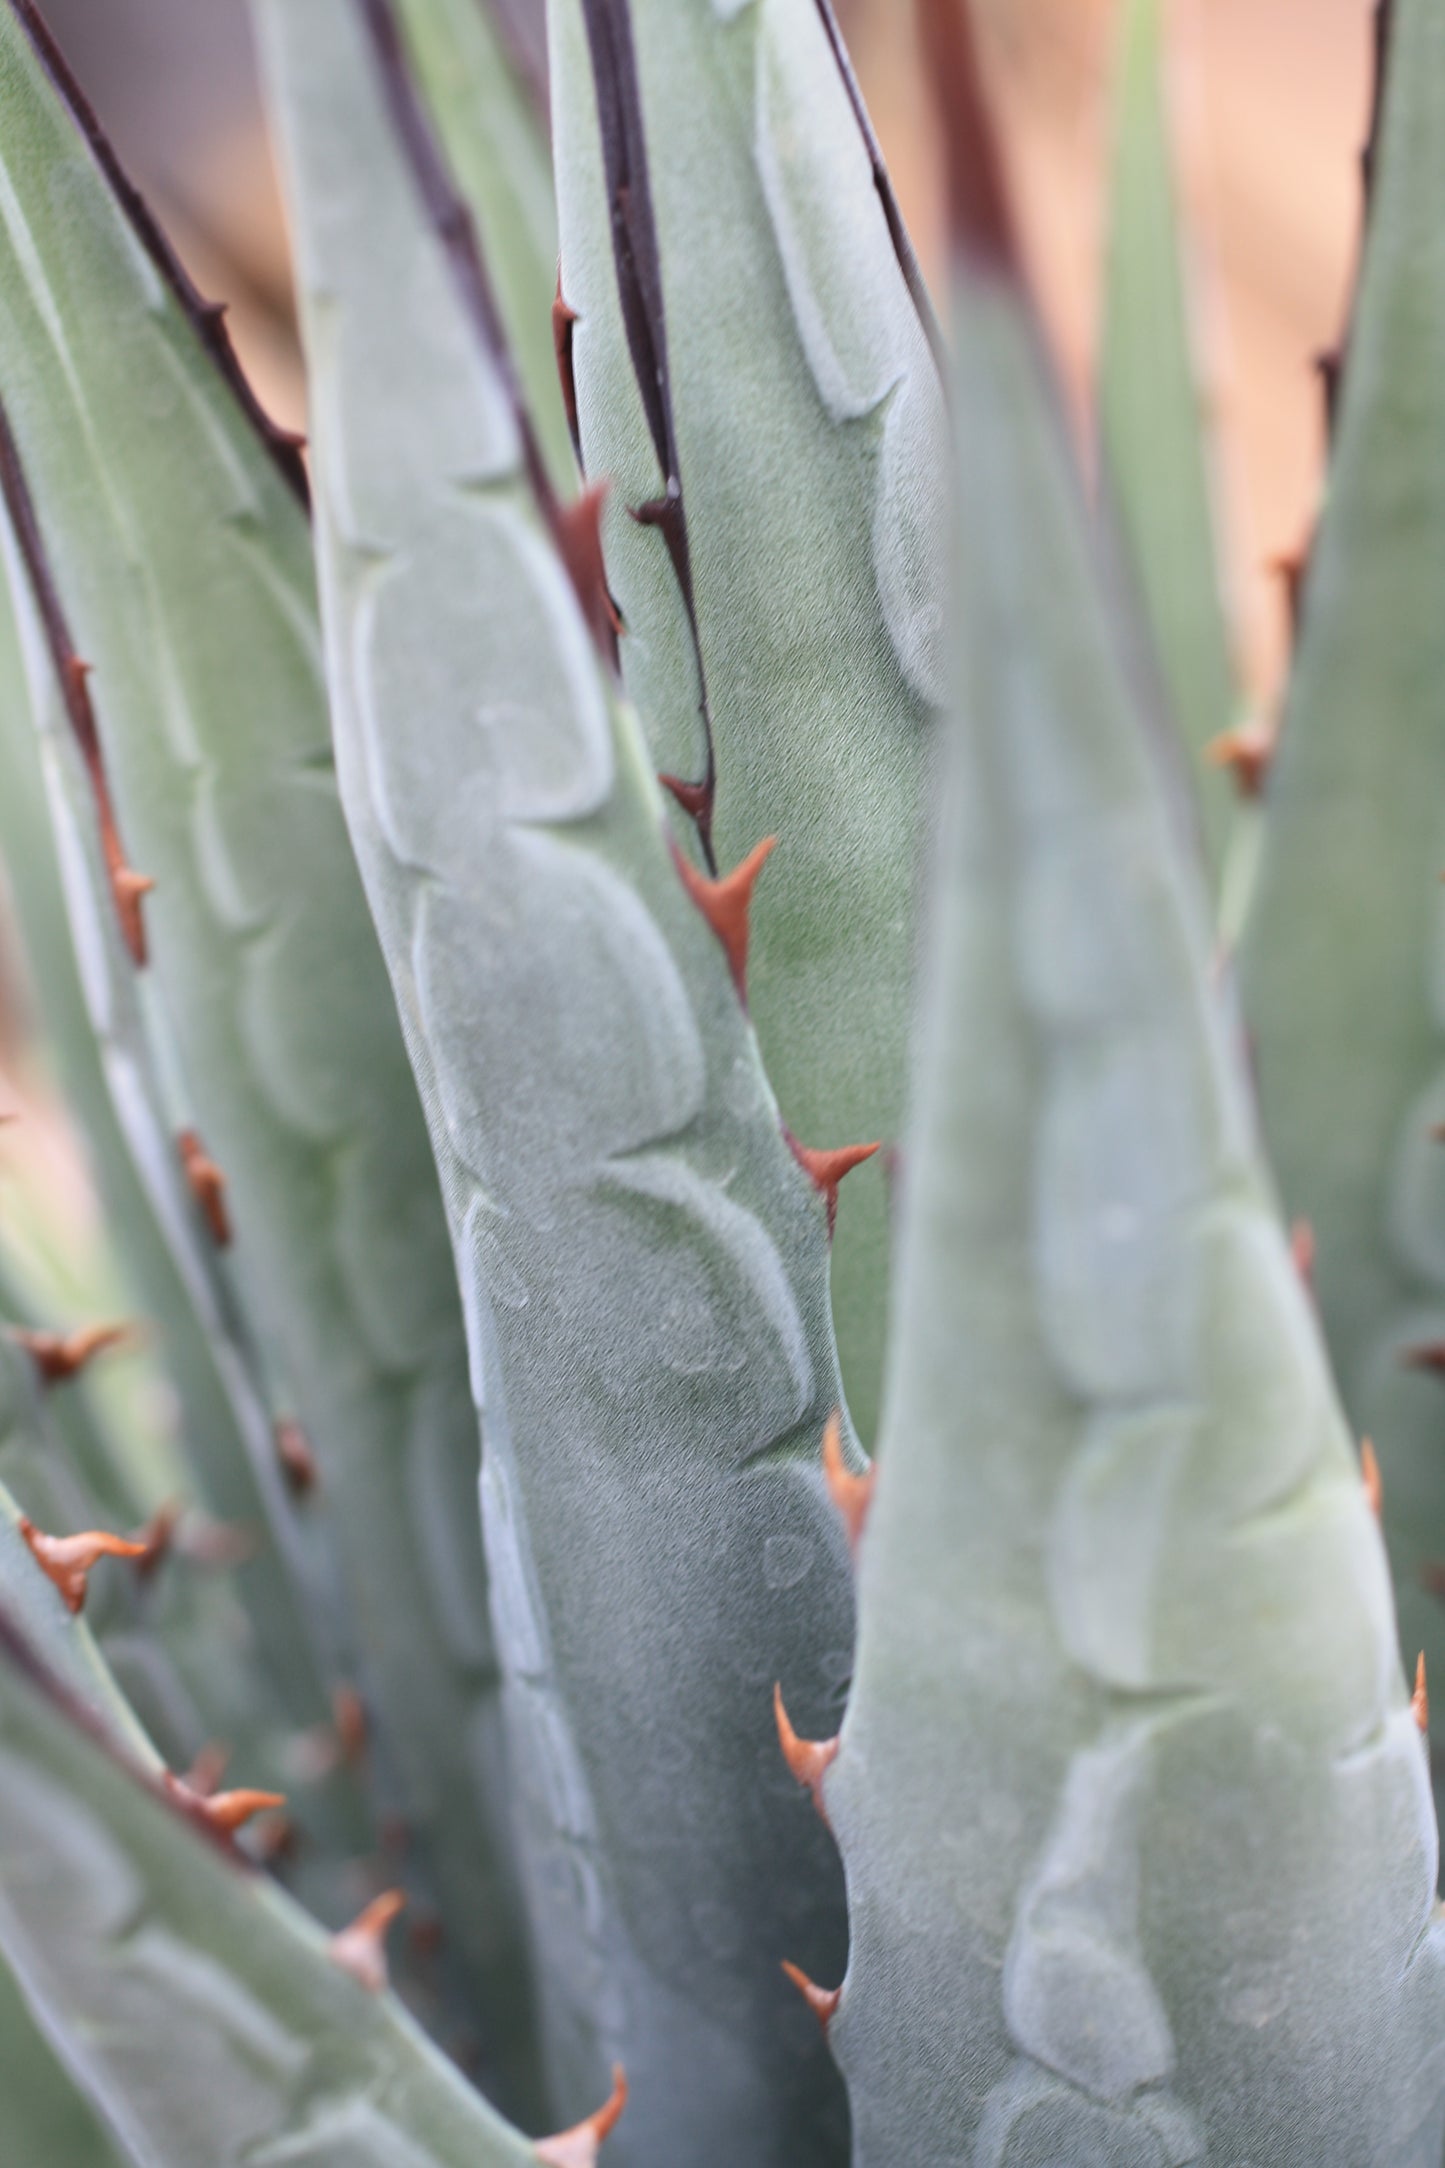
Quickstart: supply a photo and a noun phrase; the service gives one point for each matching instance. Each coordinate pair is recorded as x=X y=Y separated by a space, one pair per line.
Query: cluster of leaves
x=699 y=713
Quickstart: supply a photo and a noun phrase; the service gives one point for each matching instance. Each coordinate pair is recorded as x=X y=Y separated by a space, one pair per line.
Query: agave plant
x=683 y=738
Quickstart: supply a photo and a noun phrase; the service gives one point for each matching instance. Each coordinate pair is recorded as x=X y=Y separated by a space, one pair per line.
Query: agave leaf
x=88 y=990
x=1133 y=1806
x=643 y=1260
x=175 y=1639
x=761 y=379
x=487 y=115
x=46 y=2118
x=34 y=1605
x=1342 y=962
x=1154 y=453
x=181 y=561
x=199 y=2010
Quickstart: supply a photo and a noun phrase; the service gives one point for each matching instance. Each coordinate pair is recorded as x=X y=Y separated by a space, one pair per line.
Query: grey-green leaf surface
x=488 y=118
x=643 y=1262
x=183 y=564
x=1343 y=967
x=34 y=1604
x=197 y=2008
x=769 y=374
x=83 y=981
x=46 y=2119
x=177 y=1641
x=1133 y=1806
x=1155 y=454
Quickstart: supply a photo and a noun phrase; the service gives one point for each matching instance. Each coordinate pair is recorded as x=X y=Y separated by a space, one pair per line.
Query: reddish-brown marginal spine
x=360 y=1949
x=637 y=259
x=573 y=528
x=207 y=318
x=579 y=2148
x=72 y=675
x=822 y=2001
x=19 y=1653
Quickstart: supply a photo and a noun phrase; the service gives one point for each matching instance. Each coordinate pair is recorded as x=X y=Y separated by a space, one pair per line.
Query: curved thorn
x=360 y=1949
x=579 y=2148
x=564 y=318
x=60 y=1356
x=1302 y=1249
x=298 y=1462
x=68 y=1560
x=726 y=904
x=1420 y=1699
x=1373 y=1481
x=224 y=1813
x=578 y=532
x=808 y=1760
x=826 y=1170
x=822 y=2001
x=1246 y=752
x=207 y=1184
x=852 y=1495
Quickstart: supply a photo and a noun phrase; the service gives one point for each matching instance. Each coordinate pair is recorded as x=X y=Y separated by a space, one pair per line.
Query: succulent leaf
x=1341 y=966
x=755 y=381
x=193 y=2004
x=644 y=1261
x=46 y=2119
x=1130 y=1794
x=181 y=559
x=489 y=121
x=86 y=988
x=1154 y=452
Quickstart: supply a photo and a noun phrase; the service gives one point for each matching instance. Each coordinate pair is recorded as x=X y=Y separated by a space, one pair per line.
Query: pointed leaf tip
x=852 y=1495
x=360 y=1949
x=61 y=1356
x=1420 y=1699
x=808 y=1760
x=726 y=904
x=822 y=2001
x=579 y=2148
x=827 y=1170
x=69 y=1560
x=207 y=1185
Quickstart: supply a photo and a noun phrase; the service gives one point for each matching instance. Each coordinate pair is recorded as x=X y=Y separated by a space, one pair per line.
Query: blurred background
x=1270 y=102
